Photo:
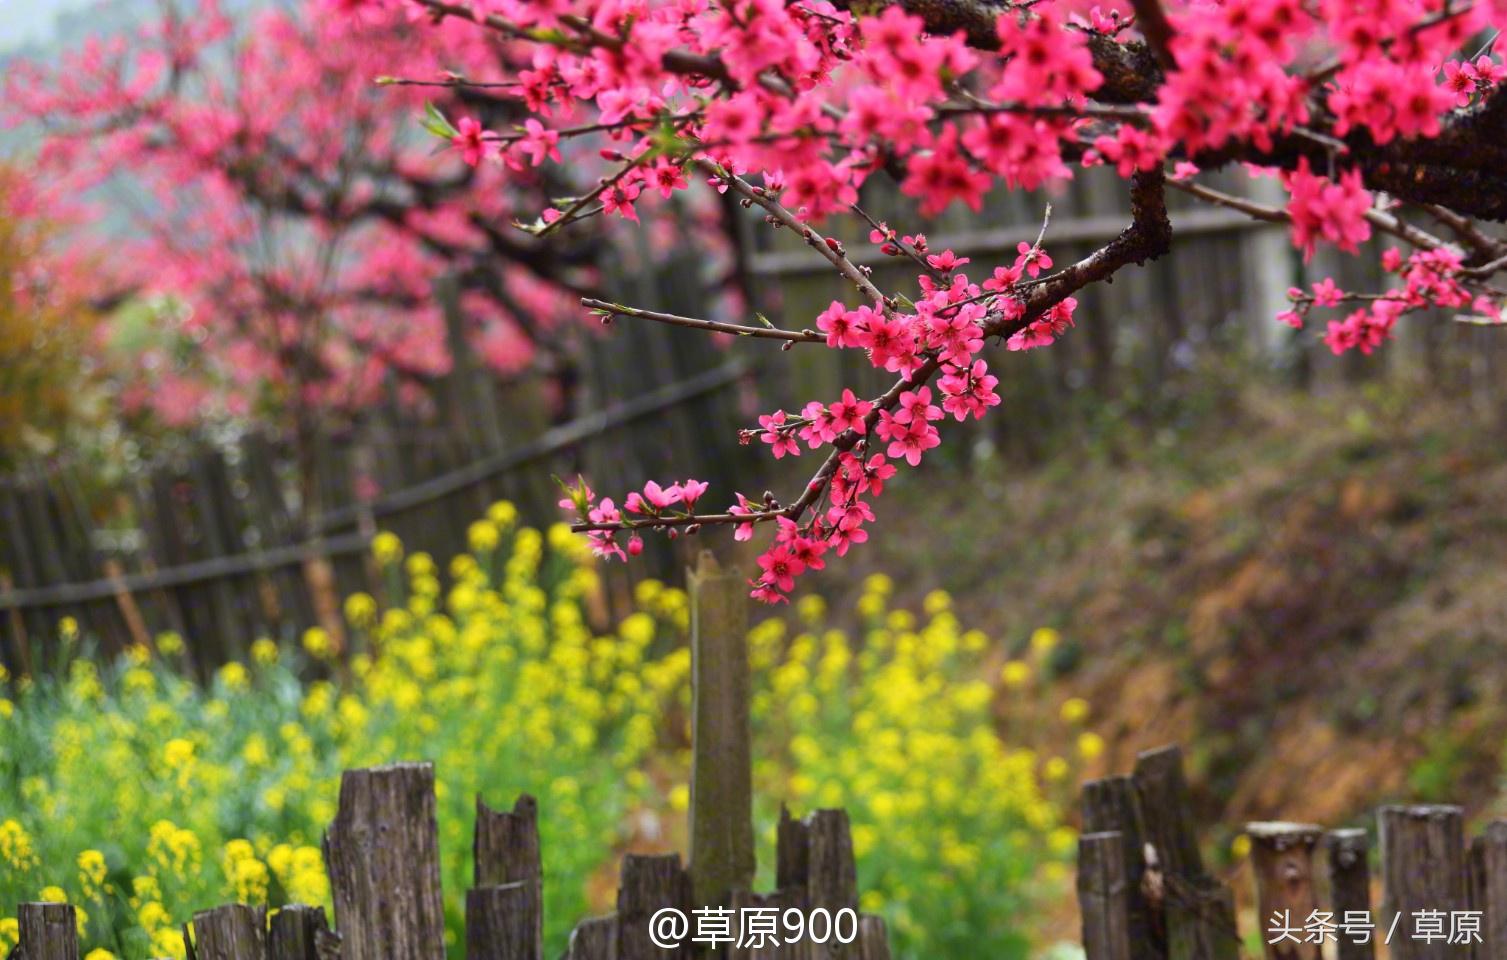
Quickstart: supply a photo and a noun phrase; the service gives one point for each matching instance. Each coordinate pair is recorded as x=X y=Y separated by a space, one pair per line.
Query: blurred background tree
x=46 y=386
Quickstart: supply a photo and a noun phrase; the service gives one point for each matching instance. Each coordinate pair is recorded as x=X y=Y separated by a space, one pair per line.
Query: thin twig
x=696 y=323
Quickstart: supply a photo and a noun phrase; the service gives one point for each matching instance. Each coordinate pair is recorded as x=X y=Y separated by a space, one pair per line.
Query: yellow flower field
x=141 y=796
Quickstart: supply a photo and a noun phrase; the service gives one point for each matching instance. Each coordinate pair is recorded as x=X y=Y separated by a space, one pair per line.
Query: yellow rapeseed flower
x=1074 y=710
x=91 y=867
x=15 y=847
x=935 y=602
x=879 y=583
x=812 y=609
x=483 y=536
x=1044 y=640
x=503 y=514
x=1015 y=674
x=1090 y=745
x=264 y=651
x=316 y=640
x=233 y=675
x=387 y=549
x=178 y=752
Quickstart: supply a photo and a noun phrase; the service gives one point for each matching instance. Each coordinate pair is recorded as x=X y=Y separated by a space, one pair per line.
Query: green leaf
x=435 y=122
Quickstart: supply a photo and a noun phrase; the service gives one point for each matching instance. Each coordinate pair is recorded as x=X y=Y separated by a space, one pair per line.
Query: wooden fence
x=381 y=853
x=382 y=856
x=1143 y=889
x=221 y=562
x=1145 y=893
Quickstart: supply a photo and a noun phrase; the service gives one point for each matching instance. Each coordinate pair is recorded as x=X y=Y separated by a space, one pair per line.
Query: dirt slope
x=1309 y=594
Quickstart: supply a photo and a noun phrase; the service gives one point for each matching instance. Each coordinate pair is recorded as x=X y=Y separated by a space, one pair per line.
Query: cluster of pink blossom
x=281 y=198
x=655 y=503
x=791 y=107
x=1430 y=279
x=947 y=330
x=1320 y=207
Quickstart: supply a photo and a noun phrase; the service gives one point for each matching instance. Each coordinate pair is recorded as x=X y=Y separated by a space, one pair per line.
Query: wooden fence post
x=382 y=853
x=234 y=931
x=649 y=884
x=300 y=932
x=722 y=832
x=506 y=843
x=873 y=938
x=1282 y=857
x=594 y=939
x=1104 y=896
x=505 y=910
x=816 y=855
x=1488 y=889
x=20 y=643
x=503 y=922
x=1423 y=873
x=1112 y=805
x=1350 y=892
x=1200 y=911
x=814 y=869
x=130 y=613
x=49 y=931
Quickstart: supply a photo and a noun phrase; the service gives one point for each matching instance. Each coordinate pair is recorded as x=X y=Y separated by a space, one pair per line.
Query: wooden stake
x=382 y=853
x=650 y=884
x=722 y=833
x=234 y=931
x=49 y=931
x=1103 y=896
x=1282 y=856
x=301 y=932
x=1488 y=889
x=1423 y=871
x=1200 y=911
x=1350 y=893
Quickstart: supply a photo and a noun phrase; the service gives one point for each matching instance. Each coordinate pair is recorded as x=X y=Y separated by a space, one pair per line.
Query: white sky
x=26 y=21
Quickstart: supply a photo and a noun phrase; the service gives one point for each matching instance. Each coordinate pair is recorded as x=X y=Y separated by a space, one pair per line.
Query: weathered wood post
x=722 y=832
x=505 y=909
x=814 y=869
x=1350 y=892
x=1488 y=889
x=1200 y=911
x=1112 y=805
x=648 y=885
x=1282 y=857
x=502 y=922
x=232 y=932
x=594 y=939
x=301 y=932
x=1104 y=896
x=1423 y=872
x=382 y=853
x=49 y=931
